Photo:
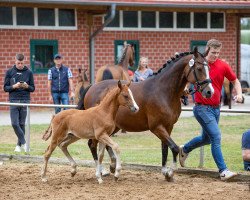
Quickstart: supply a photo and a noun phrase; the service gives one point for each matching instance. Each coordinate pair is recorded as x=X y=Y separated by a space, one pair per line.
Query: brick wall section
x=74 y=45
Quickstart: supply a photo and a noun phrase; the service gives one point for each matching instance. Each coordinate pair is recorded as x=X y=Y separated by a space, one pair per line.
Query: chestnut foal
x=97 y=123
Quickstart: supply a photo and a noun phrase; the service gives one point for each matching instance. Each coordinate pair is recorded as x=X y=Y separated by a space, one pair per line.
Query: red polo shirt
x=218 y=70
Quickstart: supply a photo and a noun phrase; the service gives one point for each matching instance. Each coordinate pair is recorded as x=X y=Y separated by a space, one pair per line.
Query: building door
x=245 y=52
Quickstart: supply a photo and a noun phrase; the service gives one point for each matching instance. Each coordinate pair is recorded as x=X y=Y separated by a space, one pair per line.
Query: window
x=37 y=18
x=148 y=20
x=118 y=51
x=201 y=44
x=42 y=52
x=200 y=20
x=217 y=20
x=167 y=21
x=66 y=17
x=130 y=19
x=6 y=16
x=183 y=20
x=46 y=17
x=25 y=16
x=116 y=21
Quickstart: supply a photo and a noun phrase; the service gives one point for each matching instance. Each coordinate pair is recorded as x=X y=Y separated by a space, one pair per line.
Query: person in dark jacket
x=19 y=82
x=59 y=83
x=245 y=145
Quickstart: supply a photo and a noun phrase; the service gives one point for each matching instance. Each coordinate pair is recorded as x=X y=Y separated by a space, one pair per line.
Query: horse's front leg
x=163 y=135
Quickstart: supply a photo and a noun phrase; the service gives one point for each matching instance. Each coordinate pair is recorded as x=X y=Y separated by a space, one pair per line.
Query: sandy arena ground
x=22 y=181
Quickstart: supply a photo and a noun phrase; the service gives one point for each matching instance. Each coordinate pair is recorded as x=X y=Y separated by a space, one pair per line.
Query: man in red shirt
x=207 y=111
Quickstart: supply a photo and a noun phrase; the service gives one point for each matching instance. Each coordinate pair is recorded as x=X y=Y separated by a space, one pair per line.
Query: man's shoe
x=18 y=148
x=182 y=156
x=226 y=174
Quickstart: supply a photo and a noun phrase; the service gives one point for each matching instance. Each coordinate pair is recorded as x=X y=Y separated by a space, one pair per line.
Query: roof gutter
x=92 y=43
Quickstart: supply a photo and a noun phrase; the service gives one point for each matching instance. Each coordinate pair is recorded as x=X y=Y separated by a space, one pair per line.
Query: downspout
x=92 y=44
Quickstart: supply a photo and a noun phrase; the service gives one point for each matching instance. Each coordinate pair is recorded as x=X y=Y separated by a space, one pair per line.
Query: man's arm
x=238 y=89
x=246 y=155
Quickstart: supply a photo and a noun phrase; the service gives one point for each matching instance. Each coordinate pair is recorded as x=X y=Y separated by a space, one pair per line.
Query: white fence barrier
x=201 y=163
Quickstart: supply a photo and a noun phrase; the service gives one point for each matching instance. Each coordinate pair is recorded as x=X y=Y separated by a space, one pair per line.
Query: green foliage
x=145 y=147
x=245 y=36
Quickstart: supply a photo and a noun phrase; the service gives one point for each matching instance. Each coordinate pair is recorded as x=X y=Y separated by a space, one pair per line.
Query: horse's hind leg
x=63 y=146
x=47 y=155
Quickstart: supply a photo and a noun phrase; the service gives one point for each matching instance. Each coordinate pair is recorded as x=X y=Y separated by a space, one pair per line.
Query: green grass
x=144 y=147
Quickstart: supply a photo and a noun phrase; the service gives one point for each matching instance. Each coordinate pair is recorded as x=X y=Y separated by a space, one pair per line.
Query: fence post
x=201 y=164
x=28 y=131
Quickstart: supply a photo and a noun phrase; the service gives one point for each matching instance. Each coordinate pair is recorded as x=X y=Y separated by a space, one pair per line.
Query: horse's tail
x=107 y=74
x=48 y=132
x=83 y=91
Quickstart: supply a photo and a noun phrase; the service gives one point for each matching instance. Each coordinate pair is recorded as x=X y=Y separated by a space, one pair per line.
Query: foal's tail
x=107 y=74
x=48 y=132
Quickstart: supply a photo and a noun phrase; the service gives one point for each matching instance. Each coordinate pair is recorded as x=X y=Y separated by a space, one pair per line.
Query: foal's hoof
x=116 y=179
x=169 y=176
x=44 y=180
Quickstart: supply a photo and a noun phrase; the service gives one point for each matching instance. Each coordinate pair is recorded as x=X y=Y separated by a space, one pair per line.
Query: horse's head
x=198 y=74
x=126 y=98
x=128 y=55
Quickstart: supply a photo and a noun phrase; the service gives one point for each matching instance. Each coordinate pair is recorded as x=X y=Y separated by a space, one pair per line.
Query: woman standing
x=143 y=72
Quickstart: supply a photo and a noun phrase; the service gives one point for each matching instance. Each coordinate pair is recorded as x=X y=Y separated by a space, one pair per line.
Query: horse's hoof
x=73 y=173
x=169 y=179
x=45 y=180
x=105 y=173
x=112 y=169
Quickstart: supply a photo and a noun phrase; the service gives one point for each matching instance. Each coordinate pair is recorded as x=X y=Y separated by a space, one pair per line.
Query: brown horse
x=158 y=98
x=82 y=83
x=120 y=71
x=97 y=123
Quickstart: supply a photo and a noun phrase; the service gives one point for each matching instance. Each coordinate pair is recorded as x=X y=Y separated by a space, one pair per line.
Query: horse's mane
x=172 y=61
x=123 y=55
x=110 y=93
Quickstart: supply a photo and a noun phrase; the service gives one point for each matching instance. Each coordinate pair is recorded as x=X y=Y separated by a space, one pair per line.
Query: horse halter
x=198 y=83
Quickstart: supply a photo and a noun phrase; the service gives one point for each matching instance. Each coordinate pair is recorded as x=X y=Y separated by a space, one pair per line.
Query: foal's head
x=198 y=73
x=126 y=98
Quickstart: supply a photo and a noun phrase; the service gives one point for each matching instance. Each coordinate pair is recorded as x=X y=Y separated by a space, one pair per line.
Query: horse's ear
x=125 y=43
x=129 y=83
x=196 y=52
x=206 y=52
x=119 y=84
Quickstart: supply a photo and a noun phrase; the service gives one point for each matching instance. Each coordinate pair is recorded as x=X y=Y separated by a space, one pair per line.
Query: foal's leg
x=63 y=146
x=47 y=155
x=99 y=163
x=105 y=139
x=92 y=143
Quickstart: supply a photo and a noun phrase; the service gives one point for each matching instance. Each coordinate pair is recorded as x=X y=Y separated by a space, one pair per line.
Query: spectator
x=59 y=83
x=19 y=82
x=207 y=111
x=143 y=72
x=246 y=150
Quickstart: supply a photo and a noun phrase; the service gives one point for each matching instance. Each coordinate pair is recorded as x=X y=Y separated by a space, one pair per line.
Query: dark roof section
x=205 y=4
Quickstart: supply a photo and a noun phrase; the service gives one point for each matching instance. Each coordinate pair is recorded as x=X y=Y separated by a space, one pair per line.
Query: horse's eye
x=126 y=96
x=199 y=68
